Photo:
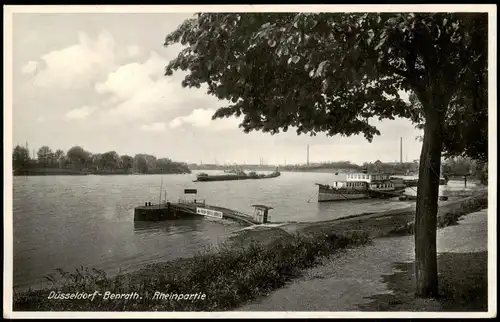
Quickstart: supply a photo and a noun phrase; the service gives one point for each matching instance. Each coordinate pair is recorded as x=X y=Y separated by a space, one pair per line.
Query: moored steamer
x=363 y=185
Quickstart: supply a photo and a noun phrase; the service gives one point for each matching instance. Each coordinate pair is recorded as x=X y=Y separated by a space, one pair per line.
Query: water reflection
x=167 y=226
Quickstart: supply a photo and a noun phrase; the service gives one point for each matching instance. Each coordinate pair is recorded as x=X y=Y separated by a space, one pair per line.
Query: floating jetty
x=410 y=183
x=196 y=208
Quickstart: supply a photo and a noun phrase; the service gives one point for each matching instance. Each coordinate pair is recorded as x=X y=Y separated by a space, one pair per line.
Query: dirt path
x=346 y=281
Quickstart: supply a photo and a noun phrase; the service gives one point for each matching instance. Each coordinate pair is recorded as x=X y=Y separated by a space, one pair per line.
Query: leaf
x=271 y=42
x=381 y=43
x=325 y=84
x=295 y=59
x=313 y=23
x=319 y=71
x=371 y=34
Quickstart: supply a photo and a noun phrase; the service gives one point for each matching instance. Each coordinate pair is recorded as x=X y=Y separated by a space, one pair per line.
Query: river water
x=68 y=221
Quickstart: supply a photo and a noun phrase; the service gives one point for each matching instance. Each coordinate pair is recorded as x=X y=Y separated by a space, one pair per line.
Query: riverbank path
x=347 y=280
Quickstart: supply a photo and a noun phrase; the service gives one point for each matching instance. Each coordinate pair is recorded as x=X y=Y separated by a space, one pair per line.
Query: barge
x=239 y=175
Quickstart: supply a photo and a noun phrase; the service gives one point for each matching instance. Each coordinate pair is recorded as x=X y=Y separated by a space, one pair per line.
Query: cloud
x=154 y=127
x=30 y=67
x=80 y=113
x=130 y=79
x=74 y=66
x=202 y=118
x=133 y=50
x=141 y=91
x=41 y=119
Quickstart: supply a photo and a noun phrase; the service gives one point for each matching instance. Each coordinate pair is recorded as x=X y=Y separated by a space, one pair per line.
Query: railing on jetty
x=196 y=207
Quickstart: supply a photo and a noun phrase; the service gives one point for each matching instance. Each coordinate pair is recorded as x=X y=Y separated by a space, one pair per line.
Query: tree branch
x=411 y=76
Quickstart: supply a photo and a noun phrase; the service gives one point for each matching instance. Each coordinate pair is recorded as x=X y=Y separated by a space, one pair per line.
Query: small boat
x=352 y=186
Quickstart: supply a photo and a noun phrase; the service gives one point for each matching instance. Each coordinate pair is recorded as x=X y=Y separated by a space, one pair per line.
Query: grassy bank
x=463 y=286
x=228 y=276
x=399 y=222
x=448 y=216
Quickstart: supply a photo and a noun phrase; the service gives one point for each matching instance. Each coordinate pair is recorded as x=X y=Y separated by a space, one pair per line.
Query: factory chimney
x=401 y=150
x=308 y=154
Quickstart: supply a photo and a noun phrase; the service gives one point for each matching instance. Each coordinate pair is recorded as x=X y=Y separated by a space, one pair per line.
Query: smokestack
x=308 y=154
x=401 y=150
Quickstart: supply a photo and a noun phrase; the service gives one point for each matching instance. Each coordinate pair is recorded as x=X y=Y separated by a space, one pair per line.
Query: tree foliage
x=45 y=155
x=20 y=157
x=466 y=123
x=141 y=165
x=127 y=162
x=98 y=163
x=78 y=156
x=59 y=157
x=111 y=160
x=328 y=72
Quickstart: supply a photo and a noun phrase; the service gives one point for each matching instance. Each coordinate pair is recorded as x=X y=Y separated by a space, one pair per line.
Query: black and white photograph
x=261 y=161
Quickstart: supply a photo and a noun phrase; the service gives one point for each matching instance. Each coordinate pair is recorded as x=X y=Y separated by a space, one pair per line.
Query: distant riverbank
x=74 y=172
x=318 y=170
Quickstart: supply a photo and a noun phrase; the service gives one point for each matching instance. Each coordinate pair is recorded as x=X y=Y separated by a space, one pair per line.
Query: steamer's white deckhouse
x=364 y=181
x=347 y=186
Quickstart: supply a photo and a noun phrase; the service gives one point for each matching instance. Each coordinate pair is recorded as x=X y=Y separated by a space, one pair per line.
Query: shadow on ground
x=463 y=286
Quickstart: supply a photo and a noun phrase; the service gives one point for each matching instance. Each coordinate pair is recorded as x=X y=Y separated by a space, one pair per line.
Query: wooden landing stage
x=189 y=209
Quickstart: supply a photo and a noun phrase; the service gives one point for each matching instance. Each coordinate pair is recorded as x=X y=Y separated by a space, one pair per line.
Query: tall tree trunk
x=427 y=204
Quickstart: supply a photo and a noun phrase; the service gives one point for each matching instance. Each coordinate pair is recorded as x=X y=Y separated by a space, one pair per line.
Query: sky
x=97 y=81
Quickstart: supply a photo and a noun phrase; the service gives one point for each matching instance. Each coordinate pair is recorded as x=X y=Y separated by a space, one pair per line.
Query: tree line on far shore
x=77 y=160
x=451 y=167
